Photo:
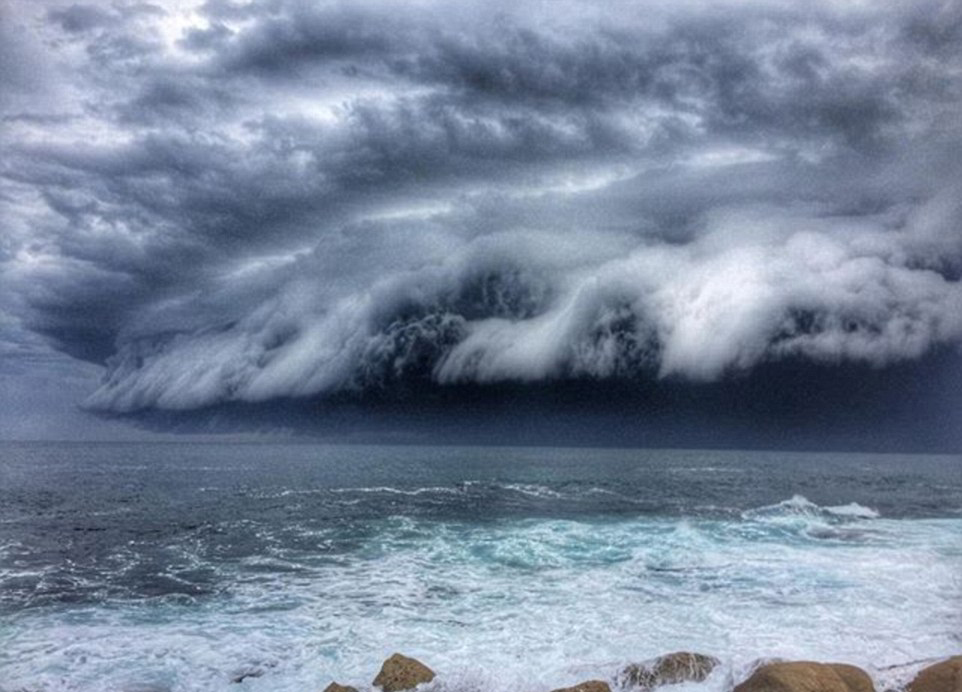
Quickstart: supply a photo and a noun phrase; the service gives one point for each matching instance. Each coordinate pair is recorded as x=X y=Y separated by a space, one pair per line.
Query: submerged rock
x=940 y=677
x=244 y=675
x=670 y=669
x=807 y=676
x=587 y=686
x=334 y=687
x=402 y=673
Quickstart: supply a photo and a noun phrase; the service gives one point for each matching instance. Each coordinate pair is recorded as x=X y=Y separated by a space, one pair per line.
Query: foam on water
x=504 y=569
x=799 y=505
x=853 y=509
x=515 y=603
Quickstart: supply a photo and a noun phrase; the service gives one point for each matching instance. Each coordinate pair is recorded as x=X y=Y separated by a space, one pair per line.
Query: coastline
x=401 y=673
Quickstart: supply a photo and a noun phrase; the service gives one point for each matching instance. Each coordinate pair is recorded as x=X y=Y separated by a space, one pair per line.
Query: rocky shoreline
x=399 y=673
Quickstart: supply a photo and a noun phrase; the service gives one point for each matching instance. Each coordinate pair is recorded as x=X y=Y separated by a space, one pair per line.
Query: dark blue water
x=139 y=549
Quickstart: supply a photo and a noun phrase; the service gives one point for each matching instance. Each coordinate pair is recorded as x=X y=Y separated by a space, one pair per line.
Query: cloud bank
x=229 y=202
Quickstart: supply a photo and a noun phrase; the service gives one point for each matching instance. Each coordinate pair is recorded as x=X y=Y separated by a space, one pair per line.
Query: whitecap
x=801 y=506
x=854 y=509
x=531 y=490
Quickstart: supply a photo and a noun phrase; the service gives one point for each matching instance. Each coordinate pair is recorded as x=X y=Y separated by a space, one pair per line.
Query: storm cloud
x=232 y=203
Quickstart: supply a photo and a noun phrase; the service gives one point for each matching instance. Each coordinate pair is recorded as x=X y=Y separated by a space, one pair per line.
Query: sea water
x=165 y=567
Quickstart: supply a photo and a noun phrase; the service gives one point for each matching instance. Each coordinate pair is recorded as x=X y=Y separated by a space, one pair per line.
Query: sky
x=681 y=223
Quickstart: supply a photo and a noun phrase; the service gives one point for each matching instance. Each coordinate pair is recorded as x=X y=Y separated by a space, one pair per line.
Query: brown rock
x=941 y=677
x=806 y=676
x=670 y=669
x=587 y=686
x=334 y=687
x=402 y=673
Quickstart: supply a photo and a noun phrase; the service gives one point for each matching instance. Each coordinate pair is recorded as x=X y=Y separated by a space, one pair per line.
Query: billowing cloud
x=228 y=202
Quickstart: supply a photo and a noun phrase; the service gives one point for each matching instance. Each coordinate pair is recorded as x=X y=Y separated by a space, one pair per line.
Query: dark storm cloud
x=241 y=202
x=306 y=34
x=741 y=71
x=80 y=18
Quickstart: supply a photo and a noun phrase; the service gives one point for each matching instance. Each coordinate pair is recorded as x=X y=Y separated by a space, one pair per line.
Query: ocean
x=169 y=567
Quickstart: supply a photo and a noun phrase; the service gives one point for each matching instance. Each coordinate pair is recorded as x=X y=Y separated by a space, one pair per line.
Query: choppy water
x=182 y=567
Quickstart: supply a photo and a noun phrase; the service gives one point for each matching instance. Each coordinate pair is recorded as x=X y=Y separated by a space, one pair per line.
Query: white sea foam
x=798 y=505
x=523 y=605
x=396 y=491
x=533 y=490
x=853 y=509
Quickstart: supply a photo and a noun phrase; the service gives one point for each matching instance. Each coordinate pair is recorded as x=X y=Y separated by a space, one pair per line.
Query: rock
x=402 y=673
x=940 y=677
x=806 y=676
x=243 y=675
x=587 y=686
x=334 y=687
x=670 y=669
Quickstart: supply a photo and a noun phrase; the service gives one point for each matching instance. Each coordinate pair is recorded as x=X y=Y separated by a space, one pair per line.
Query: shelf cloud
x=228 y=202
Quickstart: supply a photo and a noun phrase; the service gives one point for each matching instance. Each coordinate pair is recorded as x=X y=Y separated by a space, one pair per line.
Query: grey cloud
x=221 y=10
x=736 y=72
x=763 y=285
x=78 y=18
x=300 y=200
x=280 y=44
x=166 y=100
x=208 y=39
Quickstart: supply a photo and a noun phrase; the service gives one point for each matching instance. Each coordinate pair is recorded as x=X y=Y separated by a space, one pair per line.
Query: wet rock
x=807 y=676
x=244 y=675
x=402 y=673
x=941 y=677
x=587 y=686
x=334 y=687
x=670 y=669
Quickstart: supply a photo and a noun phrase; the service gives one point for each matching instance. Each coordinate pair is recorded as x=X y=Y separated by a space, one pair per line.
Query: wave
x=586 y=496
x=398 y=491
x=800 y=506
x=532 y=490
x=530 y=605
x=853 y=509
x=799 y=515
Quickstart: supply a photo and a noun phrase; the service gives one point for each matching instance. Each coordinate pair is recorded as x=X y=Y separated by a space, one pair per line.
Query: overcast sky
x=221 y=204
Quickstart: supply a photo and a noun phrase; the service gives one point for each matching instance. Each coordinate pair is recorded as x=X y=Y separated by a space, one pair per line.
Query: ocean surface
x=163 y=567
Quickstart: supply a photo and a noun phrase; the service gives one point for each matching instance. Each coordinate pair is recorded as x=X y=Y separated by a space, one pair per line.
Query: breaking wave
x=800 y=506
